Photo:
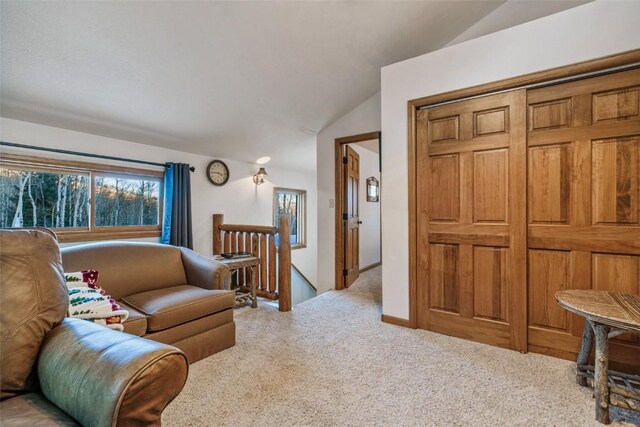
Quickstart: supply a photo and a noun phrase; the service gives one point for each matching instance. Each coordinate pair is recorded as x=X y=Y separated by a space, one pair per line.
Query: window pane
x=31 y=198
x=126 y=201
x=290 y=203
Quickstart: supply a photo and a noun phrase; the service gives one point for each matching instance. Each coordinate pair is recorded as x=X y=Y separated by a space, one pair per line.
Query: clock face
x=218 y=172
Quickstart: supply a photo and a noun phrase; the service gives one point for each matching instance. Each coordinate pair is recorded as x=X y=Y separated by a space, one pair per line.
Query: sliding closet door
x=583 y=203
x=471 y=195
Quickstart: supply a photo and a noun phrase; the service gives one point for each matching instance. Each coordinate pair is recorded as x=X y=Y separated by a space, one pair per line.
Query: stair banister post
x=284 y=264
x=218 y=220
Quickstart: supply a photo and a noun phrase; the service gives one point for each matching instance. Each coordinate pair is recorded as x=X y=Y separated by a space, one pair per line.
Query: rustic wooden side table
x=235 y=265
x=607 y=315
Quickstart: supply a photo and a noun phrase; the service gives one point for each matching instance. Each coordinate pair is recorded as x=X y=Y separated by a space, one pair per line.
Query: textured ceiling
x=236 y=80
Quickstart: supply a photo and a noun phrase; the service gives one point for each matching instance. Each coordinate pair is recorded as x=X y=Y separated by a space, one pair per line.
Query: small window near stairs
x=291 y=202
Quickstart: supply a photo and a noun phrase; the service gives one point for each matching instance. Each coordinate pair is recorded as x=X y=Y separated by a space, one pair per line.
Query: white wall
x=512 y=13
x=363 y=119
x=369 y=233
x=240 y=200
x=593 y=30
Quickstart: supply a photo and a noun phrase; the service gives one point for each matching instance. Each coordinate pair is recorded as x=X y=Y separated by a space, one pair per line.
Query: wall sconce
x=259 y=177
x=373 y=189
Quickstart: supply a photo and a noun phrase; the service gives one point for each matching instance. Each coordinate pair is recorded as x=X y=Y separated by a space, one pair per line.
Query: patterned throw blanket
x=89 y=301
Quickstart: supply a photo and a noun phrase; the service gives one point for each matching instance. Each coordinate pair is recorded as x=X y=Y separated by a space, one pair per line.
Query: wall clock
x=218 y=172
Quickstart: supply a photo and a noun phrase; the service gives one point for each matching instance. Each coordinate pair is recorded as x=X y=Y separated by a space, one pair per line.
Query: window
x=292 y=203
x=124 y=201
x=80 y=201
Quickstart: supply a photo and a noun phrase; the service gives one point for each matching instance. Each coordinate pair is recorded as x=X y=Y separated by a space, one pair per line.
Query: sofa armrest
x=102 y=377
x=205 y=272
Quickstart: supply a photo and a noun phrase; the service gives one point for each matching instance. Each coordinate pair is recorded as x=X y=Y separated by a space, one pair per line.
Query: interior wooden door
x=583 y=203
x=351 y=217
x=471 y=194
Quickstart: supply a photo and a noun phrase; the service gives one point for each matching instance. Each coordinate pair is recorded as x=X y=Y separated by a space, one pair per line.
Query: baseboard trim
x=396 y=321
x=369 y=267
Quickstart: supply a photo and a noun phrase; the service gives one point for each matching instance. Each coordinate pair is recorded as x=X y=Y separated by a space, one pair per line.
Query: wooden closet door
x=583 y=203
x=471 y=195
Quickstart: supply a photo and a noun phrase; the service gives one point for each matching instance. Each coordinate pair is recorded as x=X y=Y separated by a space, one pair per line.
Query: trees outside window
x=33 y=198
x=89 y=203
x=126 y=201
x=293 y=203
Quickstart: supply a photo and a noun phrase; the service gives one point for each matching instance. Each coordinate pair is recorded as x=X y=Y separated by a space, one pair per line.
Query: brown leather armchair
x=58 y=371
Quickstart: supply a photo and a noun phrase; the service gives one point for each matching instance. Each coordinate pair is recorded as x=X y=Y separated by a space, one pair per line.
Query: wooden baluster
x=247 y=248
x=263 y=262
x=284 y=270
x=217 y=234
x=255 y=250
x=227 y=241
x=234 y=242
x=247 y=243
x=272 y=263
x=240 y=248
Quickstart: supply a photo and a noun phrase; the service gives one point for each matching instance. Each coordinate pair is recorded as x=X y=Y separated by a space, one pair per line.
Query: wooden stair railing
x=260 y=240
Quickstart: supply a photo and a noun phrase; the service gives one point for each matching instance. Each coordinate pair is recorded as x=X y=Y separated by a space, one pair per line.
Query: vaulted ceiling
x=236 y=80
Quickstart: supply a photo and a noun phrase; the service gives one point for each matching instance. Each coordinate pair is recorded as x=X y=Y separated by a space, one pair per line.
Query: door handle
x=359 y=222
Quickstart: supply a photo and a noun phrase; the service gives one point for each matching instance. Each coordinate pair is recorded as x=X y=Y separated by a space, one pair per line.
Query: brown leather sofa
x=174 y=295
x=57 y=371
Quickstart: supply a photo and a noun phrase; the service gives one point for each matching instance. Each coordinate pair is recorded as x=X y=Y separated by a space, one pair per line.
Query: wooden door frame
x=339 y=198
x=549 y=75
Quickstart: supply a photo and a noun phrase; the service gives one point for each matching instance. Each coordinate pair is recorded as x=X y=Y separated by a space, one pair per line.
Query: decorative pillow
x=89 y=301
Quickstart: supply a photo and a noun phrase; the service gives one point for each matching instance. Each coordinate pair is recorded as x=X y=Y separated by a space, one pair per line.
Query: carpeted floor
x=332 y=362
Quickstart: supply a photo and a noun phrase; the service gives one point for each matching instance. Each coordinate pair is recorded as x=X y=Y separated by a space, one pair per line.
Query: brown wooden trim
x=564 y=71
x=397 y=321
x=413 y=220
x=358 y=138
x=273 y=296
x=339 y=237
x=21 y=159
x=594 y=65
x=371 y=267
x=244 y=228
x=339 y=202
x=86 y=236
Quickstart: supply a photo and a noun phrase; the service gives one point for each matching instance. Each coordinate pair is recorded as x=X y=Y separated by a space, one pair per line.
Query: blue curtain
x=176 y=218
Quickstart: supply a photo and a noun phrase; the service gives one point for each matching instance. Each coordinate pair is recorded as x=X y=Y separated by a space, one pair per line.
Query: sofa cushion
x=128 y=268
x=31 y=410
x=179 y=304
x=136 y=323
x=34 y=300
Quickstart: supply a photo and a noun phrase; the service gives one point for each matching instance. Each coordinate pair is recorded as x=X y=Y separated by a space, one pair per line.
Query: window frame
x=302 y=227
x=92 y=231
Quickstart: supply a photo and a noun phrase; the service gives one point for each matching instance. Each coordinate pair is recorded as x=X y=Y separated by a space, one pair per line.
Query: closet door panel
x=550 y=168
x=583 y=203
x=471 y=170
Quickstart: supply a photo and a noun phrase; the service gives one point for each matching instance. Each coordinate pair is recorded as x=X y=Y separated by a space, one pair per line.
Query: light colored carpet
x=332 y=362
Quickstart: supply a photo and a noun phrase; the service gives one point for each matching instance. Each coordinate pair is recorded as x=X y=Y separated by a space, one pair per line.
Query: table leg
x=601 y=374
x=585 y=351
x=254 y=287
